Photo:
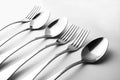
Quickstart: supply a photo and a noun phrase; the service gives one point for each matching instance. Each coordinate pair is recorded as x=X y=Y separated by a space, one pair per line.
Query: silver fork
x=67 y=35
x=76 y=44
x=34 y=12
x=67 y=32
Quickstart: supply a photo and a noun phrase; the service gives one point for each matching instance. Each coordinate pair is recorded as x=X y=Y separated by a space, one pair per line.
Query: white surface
x=102 y=17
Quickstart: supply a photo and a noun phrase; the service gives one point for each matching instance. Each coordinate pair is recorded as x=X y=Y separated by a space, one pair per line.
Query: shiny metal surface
x=35 y=11
x=100 y=16
x=91 y=53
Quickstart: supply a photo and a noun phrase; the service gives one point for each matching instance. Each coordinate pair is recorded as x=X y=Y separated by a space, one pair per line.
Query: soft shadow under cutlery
x=76 y=44
x=67 y=36
x=45 y=19
x=28 y=18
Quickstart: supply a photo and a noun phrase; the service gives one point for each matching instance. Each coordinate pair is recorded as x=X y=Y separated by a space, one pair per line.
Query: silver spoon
x=60 y=26
x=68 y=35
x=31 y=16
x=42 y=19
x=91 y=53
x=76 y=44
x=54 y=29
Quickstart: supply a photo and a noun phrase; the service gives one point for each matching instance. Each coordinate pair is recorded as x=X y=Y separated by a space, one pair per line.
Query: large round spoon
x=91 y=53
x=41 y=20
x=54 y=29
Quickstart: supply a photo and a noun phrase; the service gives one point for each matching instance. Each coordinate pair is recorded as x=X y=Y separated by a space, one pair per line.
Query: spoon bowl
x=95 y=50
x=42 y=18
x=57 y=23
x=56 y=27
x=48 y=34
x=40 y=21
x=91 y=53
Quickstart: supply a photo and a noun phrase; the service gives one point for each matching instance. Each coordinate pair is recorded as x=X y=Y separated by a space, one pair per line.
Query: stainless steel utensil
x=34 y=12
x=44 y=18
x=77 y=43
x=67 y=36
x=59 y=26
x=91 y=53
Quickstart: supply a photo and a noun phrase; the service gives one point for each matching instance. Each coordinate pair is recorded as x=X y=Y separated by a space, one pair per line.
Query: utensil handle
x=11 y=24
x=14 y=36
x=56 y=76
x=48 y=62
x=22 y=47
x=32 y=55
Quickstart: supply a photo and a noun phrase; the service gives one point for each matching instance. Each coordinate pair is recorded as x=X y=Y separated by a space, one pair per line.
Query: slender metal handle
x=21 y=48
x=10 y=24
x=34 y=54
x=56 y=76
x=14 y=36
x=48 y=62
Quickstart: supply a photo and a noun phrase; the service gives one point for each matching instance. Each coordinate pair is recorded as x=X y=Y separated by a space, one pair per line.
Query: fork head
x=33 y=13
x=78 y=41
x=68 y=34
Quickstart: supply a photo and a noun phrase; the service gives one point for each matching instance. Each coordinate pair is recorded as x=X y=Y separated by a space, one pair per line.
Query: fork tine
x=78 y=36
x=65 y=30
x=31 y=12
x=71 y=34
x=67 y=33
x=36 y=12
x=83 y=39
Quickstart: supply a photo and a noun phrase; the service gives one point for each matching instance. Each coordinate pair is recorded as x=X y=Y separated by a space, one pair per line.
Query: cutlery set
x=64 y=33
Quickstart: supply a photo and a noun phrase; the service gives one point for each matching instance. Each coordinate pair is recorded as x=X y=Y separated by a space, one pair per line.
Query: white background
x=102 y=17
